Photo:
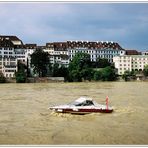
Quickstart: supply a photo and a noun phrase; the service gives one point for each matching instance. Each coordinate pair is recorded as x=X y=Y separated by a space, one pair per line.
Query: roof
x=58 y=46
x=94 y=45
x=9 y=37
x=84 y=44
x=30 y=46
x=134 y=56
x=132 y=52
x=10 y=41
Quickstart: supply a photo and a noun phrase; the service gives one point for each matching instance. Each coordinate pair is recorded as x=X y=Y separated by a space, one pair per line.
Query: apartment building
x=29 y=49
x=130 y=62
x=8 y=66
x=96 y=50
x=58 y=53
x=9 y=54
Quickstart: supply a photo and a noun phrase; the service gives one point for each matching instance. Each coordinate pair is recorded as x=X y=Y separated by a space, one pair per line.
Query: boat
x=83 y=105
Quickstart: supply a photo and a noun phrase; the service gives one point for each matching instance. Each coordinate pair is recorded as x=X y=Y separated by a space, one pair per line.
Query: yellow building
x=130 y=62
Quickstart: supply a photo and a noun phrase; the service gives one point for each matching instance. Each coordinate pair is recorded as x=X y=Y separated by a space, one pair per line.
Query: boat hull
x=82 y=111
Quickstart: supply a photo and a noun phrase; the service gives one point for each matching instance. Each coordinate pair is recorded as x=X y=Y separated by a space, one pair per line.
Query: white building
x=145 y=52
x=29 y=49
x=130 y=62
x=9 y=47
x=58 y=53
x=8 y=66
x=96 y=50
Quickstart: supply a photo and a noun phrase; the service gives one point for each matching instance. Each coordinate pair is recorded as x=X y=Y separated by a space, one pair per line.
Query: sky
x=43 y=22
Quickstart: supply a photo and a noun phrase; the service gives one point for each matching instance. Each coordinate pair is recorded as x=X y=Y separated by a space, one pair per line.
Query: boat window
x=85 y=103
x=88 y=103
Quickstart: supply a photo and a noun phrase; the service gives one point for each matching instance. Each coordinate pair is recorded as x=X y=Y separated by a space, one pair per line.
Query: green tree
x=40 y=62
x=75 y=76
x=97 y=75
x=87 y=73
x=63 y=71
x=126 y=75
x=145 y=70
x=2 y=78
x=21 y=74
x=79 y=67
x=108 y=74
x=55 y=70
x=102 y=63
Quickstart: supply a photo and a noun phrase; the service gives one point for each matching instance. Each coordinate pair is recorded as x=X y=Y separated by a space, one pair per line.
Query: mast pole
x=107 y=102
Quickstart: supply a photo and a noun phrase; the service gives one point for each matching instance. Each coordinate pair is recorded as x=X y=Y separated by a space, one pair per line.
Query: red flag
x=107 y=102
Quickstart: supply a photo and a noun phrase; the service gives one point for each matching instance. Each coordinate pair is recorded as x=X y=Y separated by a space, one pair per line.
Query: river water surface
x=26 y=120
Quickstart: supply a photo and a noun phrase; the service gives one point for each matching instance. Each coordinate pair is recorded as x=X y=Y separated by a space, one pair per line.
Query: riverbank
x=61 y=79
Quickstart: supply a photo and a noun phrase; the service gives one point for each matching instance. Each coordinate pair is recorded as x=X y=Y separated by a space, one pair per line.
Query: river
x=26 y=120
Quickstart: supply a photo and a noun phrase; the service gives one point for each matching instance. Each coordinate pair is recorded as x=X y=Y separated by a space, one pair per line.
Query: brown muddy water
x=26 y=120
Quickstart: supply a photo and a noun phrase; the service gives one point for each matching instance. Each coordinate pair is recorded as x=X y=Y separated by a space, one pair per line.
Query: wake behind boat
x=83 y=105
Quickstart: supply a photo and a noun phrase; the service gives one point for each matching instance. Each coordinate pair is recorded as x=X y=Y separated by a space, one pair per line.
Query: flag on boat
x=107 y=102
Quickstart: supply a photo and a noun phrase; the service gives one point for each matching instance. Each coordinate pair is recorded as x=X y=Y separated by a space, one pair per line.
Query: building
x=96 y=50
x=58 y=53
x=8 y=66
x=13 y=50
x=130 y=62
x=10 y=47
x=145 y=52
x=63 y=52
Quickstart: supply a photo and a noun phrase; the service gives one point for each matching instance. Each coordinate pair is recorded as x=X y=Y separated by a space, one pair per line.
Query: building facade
x=130 y=62
x=8 y=66
x=96 y=50
x=9 y=55
x=58 y=53
x=13 y=50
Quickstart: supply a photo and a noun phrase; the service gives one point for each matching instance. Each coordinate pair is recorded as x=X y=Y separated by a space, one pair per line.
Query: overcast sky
x=125 y=23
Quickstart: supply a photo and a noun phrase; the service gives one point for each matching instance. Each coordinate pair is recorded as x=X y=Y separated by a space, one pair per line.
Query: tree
x=80 y=61
x=55 y=70
x=145 y=70
x=102 y=63
x=87 y=73
x=97 y=75
x=79 y=67
x=21 y=74
x=108 y=74
x=105 y=74
x=2 y=78
x=40 y=62
x=126 y=75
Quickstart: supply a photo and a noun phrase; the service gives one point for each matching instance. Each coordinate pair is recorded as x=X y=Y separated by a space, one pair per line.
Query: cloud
x=41 y=22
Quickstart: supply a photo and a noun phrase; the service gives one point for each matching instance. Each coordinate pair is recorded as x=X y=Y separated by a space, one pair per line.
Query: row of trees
x=80 y=68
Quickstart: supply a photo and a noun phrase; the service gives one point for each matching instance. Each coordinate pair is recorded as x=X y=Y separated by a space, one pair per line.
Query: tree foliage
x=40 y=62
x=102 y=63
x=80 y=61
x=59 y=70
x=105 y=74
x=108 y=74
x=21 y=74
x=80 y=67
x=2 y=78
x=145 y=70
x=129 y=75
